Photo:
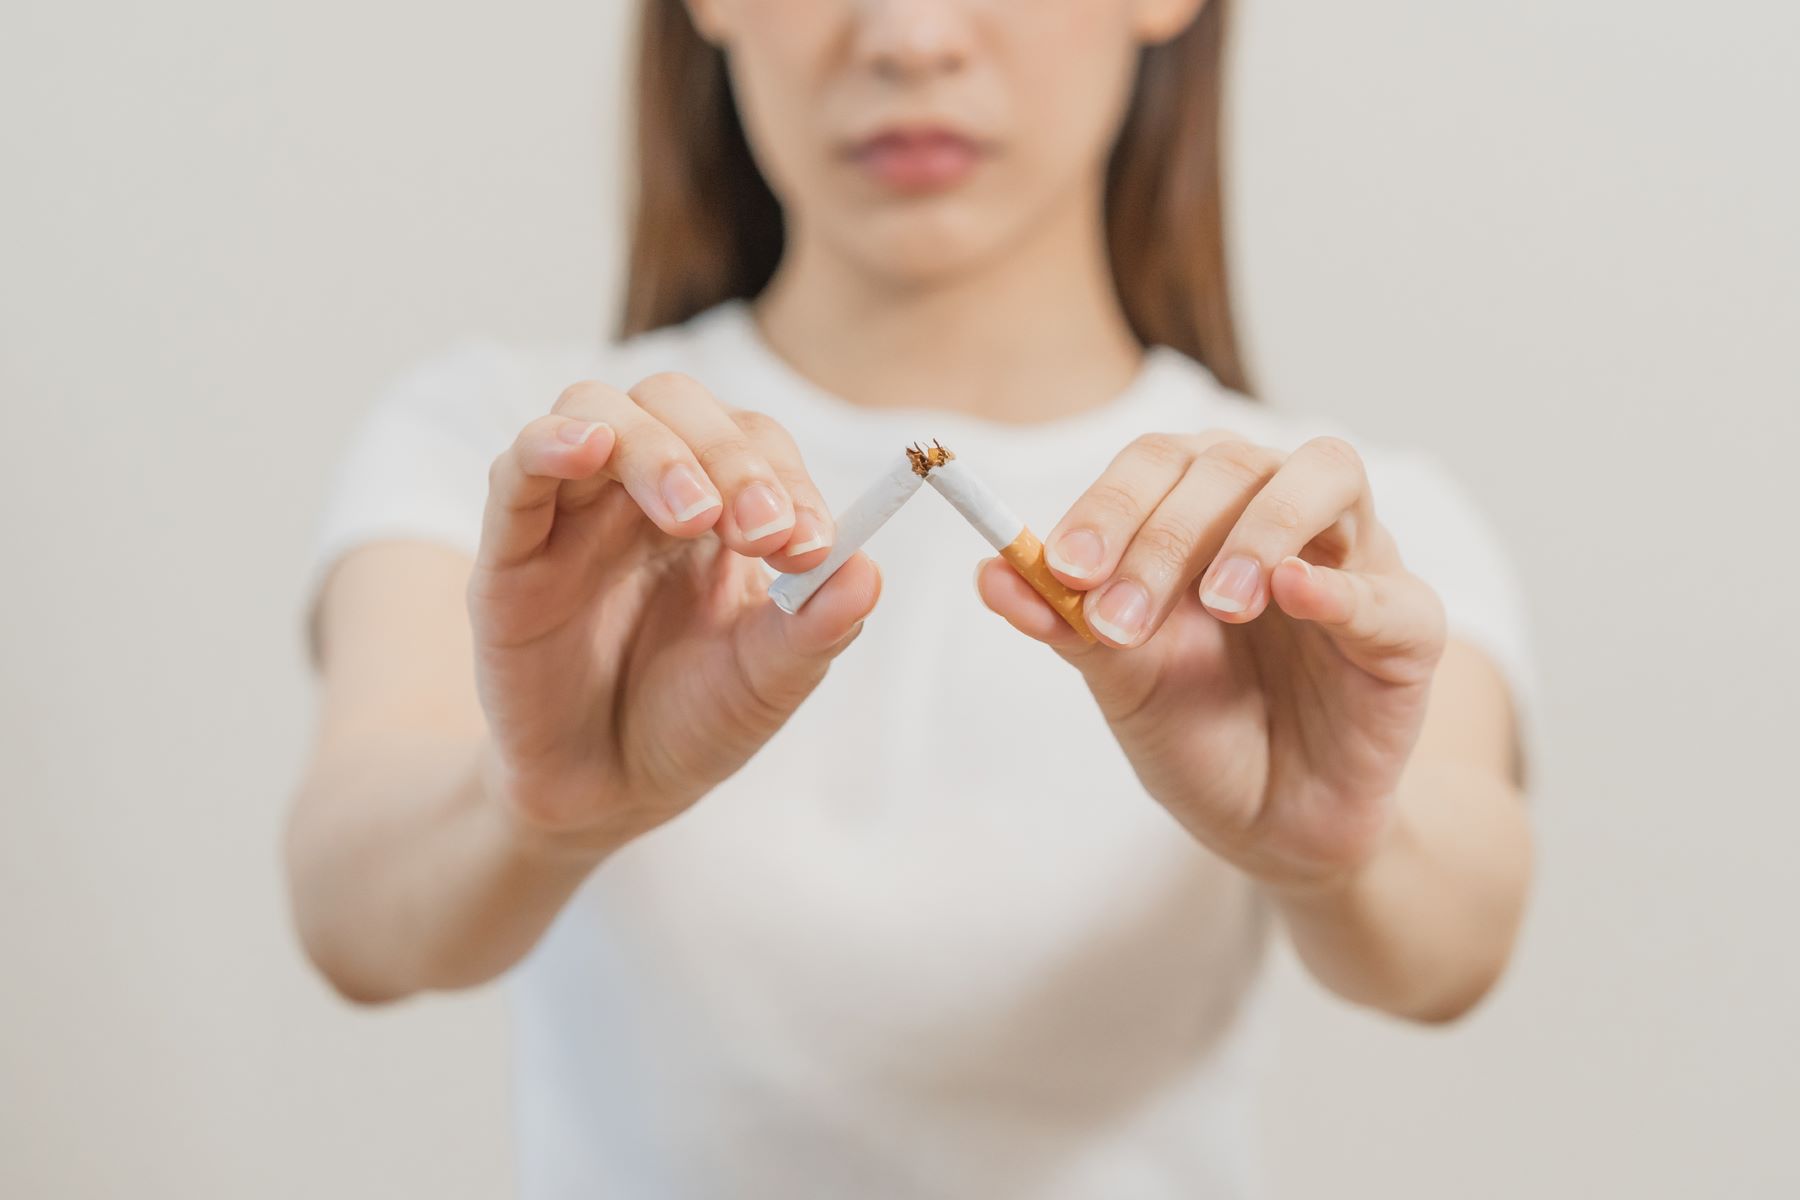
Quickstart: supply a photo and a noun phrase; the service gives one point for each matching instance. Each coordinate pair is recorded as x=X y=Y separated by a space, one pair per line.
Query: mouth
x=918 y=159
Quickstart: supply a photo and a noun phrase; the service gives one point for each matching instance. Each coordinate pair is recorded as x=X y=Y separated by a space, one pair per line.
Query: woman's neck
x=1035 y=334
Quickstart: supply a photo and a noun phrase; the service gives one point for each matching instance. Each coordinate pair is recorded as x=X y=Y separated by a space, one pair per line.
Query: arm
x=1424 y=928
x=407 y=871
x=472 y=765
x=1284 y=686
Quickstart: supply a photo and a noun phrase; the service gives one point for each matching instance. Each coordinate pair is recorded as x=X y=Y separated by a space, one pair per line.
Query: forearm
x=407 y=873
x=1425 y=927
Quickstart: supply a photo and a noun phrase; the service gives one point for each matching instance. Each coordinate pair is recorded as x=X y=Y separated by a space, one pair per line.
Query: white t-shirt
x=934 y=940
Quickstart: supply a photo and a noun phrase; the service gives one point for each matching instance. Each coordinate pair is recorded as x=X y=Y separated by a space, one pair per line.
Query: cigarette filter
x=857 y=524
x=1001 y=527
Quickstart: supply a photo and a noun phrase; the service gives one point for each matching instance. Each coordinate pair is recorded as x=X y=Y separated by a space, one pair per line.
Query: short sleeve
x=416 y=464
x=1445 y=539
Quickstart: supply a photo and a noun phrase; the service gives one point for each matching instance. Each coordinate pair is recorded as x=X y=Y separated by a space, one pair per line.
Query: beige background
x=1553 y=240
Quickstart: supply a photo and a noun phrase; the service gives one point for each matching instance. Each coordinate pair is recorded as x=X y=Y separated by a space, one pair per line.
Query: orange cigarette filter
x=1026 y=554
x=1003 y=529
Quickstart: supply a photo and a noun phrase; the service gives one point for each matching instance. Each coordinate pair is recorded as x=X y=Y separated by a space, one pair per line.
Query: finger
x=526 y=477
x=784 y=656
x=759 y=513
x=1321 y=485
x=1392 y=626
x=810 y=540
x=1085 y=546
x=656 y=467
x=1176 y=540
x=1006 y=593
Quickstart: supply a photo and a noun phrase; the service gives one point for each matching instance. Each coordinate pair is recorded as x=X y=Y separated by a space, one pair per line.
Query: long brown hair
x=706 y=228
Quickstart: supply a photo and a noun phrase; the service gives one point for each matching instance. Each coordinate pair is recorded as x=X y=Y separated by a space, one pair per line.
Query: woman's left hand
x=1265 y=659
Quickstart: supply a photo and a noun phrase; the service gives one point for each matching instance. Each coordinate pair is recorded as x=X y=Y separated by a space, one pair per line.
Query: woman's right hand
x=627 y=655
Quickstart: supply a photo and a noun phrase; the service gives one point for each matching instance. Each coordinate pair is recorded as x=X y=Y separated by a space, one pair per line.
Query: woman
x=950 y=909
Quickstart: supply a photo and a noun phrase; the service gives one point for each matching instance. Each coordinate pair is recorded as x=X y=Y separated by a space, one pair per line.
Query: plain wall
x=1554 y=241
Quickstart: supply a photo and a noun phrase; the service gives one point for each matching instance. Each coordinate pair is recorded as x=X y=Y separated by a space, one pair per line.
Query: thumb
x=1391 y=626
x=783 y=657
x=1120 y=680
x=1006 y=593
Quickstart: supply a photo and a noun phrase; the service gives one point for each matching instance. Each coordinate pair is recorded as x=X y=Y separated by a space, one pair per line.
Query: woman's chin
x=920 y=253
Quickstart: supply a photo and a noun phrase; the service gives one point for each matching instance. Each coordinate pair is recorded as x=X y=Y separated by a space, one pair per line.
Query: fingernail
x=1120 y=611
x=575 y=433
x=685 y=495
x=1233 y=587
x=811 y=532
x=759 y=512
x=1076 y=553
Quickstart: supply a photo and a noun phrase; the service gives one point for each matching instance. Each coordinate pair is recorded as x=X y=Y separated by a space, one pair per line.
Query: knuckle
x=578 y=395
x=1216 y=435
x=1404 y=615
x=1242 y=460
x=757 y=424
x=1282 y=513
x=497 y=470
x=1110 y=502
x=723 y=453
x=1164 y=548
x=1387 y=634
x=666 y=388
x=1337 y=452
x=1163 y=449
x=765 y=431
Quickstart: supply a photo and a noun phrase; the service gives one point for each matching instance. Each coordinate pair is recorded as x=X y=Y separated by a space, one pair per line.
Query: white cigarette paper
x=858 y=523
x=971 y=497
x=1005 y=532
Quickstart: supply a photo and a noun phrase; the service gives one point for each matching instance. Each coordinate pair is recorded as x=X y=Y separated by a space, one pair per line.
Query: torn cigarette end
x=923 y=458
x=1026 y=554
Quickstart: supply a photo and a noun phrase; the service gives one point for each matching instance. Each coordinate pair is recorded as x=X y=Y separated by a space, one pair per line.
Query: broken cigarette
x=1002 y=528
x=858 y=523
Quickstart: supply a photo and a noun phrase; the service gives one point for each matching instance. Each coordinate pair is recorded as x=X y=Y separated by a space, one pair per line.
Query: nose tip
x=904 y=39
x=917 y=58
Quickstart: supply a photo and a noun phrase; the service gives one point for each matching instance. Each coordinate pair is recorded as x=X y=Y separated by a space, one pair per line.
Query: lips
x=918 y=159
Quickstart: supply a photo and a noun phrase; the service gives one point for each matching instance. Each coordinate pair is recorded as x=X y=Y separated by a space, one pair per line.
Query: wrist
x=1340 y=884
x=529 y=835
